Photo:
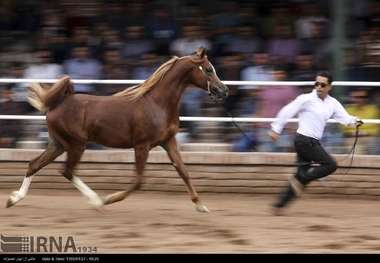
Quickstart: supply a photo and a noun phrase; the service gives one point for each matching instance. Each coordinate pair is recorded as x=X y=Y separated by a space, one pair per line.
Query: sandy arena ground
x=149 y=222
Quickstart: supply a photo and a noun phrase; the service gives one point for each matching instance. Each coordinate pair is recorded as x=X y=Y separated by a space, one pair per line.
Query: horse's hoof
x=9 y=203
x=13 y=199
x=202 y=209
x=108 y=200
x=115 y=197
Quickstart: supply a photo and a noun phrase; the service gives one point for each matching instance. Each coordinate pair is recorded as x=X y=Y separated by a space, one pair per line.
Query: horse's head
x=205 y=77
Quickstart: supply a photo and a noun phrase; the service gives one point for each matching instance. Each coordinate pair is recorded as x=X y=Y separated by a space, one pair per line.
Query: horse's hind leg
x=171 y=147
x=141 y=155
x=53 y=150
x=73 y=157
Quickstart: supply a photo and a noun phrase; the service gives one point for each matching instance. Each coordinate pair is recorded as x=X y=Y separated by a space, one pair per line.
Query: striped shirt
x=313 y=114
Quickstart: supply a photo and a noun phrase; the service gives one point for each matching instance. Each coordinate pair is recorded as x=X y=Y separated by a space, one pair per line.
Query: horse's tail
x=45 y=99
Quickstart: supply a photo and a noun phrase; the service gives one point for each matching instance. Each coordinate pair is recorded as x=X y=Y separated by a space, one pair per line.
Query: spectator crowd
x=246 y=40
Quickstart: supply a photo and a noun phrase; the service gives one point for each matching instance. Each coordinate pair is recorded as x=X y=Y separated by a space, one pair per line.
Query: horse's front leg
x=171 y=148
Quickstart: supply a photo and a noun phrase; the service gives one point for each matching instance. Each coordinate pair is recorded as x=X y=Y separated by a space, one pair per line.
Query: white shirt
x=44 y=71
x=186 y=46
x=257 y=73
x=37 y=71
x=313 y=114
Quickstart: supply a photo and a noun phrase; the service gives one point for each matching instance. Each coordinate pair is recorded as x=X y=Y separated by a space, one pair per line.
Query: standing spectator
x=114 y=67
x=283 y=45
x=227 y=16
x=352 y=70
x=223 y=23
x=279 y=14
x=10 y=130
x=18 y=90
x=57 y=44
x=362 y=107
x=359 y=16
x=112 y=40
x=259 y=70
x=192 y=39
x=81 y=36
x=162 y=28
x=310 y=13
x=319 y=44
x=270 y=100
x=229 y=68
x=191 y=104
x=246 y=41
x=82 y=66
x=42 y=66
x=136 y=44
x=369 y=48
x=52 y=22
x=303 y=70
x=147 y=65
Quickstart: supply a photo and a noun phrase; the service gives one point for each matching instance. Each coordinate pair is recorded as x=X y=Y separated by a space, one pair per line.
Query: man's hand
x=359 y=123
x=274 y=136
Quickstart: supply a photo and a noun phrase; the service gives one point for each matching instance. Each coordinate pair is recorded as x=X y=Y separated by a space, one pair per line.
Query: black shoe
x=285 y=197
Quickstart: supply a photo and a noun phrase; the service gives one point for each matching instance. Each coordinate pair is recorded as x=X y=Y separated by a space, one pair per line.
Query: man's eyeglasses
x=360 y=96
x=316 y=84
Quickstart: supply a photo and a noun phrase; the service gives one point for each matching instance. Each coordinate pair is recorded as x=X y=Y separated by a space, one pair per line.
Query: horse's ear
x=201 y=52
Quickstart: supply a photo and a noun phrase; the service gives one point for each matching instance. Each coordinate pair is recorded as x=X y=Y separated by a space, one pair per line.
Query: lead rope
x=352 y=151
x=238 y=127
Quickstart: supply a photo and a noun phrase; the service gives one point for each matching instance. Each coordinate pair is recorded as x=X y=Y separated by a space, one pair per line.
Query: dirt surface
x=149 y=222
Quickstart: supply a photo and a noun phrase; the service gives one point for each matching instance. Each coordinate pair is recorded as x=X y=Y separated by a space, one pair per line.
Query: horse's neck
x=168 y=92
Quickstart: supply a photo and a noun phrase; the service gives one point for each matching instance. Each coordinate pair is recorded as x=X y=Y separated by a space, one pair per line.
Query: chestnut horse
x=140 y=117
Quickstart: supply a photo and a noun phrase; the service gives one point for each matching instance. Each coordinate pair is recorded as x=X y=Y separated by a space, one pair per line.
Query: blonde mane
x=137 y=91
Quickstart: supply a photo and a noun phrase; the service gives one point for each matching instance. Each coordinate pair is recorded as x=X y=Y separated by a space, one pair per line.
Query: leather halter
x=208 y=80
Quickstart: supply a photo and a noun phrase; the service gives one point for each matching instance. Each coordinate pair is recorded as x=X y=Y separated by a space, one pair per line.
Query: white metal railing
x=227 y=82
x=184 y=118
x=207 y=119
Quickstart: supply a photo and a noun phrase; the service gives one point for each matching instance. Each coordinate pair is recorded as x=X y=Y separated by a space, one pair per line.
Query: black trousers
x=313 y=163
x=309 y=151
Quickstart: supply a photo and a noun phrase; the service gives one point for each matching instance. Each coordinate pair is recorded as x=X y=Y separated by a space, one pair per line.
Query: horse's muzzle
x=219 y=93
